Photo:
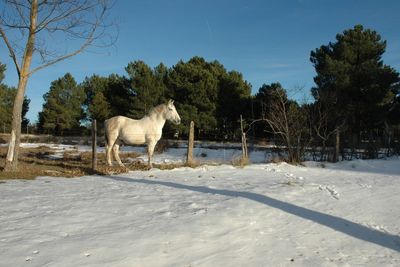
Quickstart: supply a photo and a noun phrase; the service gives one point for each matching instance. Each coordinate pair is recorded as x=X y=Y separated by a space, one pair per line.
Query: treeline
x=356 y=108
x=356 y=101
x=204 y=92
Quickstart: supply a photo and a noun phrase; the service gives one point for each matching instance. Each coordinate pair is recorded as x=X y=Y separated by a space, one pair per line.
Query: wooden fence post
x=337 y=146
x=94 y=145
x=189 y=159
x=244 y=143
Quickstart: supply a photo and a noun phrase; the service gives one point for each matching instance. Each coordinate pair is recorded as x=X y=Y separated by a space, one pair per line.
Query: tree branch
x=52 y=62
x=89 y=36
x=11 y=50
x=68 y=13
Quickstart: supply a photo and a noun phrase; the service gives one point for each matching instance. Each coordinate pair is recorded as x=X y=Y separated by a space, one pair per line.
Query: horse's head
x=171 y=113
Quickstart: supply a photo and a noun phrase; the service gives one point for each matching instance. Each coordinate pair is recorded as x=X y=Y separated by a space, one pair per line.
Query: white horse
x=147 y=130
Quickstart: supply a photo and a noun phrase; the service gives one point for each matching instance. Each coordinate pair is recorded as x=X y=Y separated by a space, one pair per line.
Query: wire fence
x=270 y=144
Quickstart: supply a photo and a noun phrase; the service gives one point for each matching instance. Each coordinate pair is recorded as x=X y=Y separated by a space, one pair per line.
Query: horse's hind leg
x=111 y=140
x=108 y=154
x=116 y=154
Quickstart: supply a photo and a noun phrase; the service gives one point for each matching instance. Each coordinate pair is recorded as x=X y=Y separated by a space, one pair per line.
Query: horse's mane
x=156 y=110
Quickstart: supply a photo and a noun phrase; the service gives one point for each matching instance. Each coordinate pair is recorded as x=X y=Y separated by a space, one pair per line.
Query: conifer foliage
x=62 y=108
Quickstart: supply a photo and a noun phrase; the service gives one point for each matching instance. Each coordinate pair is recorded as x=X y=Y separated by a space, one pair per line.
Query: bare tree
x=286 y=120
x=321 y=125
x=328 y=123
x=40 y=33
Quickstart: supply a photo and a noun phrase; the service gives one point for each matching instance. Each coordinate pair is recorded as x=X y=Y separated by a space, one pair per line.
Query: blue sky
x=267 y=41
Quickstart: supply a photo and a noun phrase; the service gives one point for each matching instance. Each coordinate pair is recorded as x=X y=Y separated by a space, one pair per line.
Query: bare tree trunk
x=94 y=145
x=13 y=146
x=244 y=143
x=189 y=159
x=323 y=150
x=337 y=146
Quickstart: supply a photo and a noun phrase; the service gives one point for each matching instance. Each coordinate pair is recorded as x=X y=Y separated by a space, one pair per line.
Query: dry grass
x=34 y=162
x=240 y=162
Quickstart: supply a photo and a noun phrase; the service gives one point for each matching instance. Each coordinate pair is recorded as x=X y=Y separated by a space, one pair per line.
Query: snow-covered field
x=203 y=153
x=344 y=214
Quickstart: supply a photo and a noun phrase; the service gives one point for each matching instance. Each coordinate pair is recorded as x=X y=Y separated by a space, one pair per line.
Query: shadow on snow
x=338 y=224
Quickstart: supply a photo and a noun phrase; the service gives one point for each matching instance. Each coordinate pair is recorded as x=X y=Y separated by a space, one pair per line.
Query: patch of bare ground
x=40 y=161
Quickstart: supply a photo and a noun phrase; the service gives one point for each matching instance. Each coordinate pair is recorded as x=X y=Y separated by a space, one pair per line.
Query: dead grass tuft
x=240 y=162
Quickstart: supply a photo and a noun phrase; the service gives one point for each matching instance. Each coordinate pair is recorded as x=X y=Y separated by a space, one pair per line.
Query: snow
x=265 y=214
x=204 y=153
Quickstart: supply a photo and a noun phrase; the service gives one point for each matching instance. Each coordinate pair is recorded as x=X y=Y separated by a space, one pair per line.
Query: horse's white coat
x=147 y=130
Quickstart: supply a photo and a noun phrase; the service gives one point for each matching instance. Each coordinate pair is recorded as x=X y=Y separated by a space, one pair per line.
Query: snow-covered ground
x=344 y=214
x=202 y=153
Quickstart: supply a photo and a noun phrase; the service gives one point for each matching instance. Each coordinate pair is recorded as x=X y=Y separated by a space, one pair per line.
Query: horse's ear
x=170 y=102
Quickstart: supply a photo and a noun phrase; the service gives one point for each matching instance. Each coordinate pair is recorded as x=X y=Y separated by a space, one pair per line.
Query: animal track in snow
x=293 y=179
x=330 y=189
x=365 y=186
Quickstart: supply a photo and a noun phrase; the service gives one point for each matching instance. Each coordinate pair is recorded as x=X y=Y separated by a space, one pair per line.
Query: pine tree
x=119 y=95
x=353 y=80
x=62 y=110
x=195 y=88
x=148 y=86
x=99 y=107
x=233 y=99
x=96 y=104
x=106 y=97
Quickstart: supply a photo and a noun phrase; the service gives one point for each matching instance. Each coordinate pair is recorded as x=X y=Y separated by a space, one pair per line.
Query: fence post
x=244 y=143
x=94 y=145
x=189 y=159
x=337 y=146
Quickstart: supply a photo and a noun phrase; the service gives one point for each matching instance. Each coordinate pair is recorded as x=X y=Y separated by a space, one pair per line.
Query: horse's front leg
x=150 y=151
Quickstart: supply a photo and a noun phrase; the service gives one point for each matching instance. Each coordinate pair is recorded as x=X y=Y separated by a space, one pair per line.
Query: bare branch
x=251 y=124
x=75 y=17
x=63 y=15
x=11 y=50
x=82 y=48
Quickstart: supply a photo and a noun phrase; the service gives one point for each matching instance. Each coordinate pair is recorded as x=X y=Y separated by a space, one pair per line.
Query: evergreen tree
x=99 y=108
x=265 y=97
x=25 y=109
x=148 y=86
x=233 y=99
x=262 y=103
x=352 y=78
x=2 y=70
x=7 y=95
x=62 y=110
x=6 y=102
x=119 y=95
x=96 y=105
x=194 y=85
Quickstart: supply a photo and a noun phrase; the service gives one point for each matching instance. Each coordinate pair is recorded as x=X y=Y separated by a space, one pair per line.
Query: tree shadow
x=350 y=228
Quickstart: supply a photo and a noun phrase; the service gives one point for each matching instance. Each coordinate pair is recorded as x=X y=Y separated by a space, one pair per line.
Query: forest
x=355 y=101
